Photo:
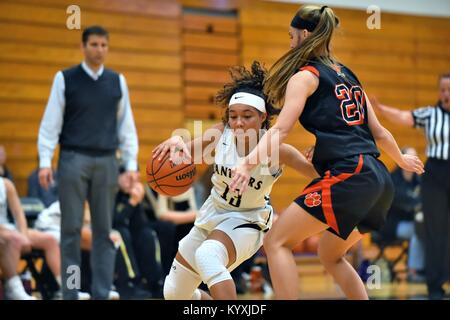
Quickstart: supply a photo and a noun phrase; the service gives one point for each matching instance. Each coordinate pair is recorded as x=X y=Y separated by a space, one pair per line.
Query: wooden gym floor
x=317 y=284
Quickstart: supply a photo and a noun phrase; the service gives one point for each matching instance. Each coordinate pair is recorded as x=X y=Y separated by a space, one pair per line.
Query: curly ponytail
x=250 y=81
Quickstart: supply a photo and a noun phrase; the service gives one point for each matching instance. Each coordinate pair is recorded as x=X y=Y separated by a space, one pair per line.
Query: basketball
x=168 y=178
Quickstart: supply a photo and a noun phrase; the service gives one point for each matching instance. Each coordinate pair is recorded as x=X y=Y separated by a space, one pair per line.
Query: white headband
x=248 y=99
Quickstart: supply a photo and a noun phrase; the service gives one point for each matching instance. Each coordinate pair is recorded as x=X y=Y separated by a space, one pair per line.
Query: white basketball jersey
x=261 y=180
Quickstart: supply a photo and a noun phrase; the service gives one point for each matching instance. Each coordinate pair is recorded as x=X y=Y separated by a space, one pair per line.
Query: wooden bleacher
x=175 y=56
x=210 y=47
x=399 y=63
x=145 y=45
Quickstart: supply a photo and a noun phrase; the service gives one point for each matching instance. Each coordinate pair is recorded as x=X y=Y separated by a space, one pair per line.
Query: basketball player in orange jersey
x=354 y=190
x=229 y=227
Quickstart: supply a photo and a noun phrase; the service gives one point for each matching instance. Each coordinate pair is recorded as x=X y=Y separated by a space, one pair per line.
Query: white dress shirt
x=52 y=122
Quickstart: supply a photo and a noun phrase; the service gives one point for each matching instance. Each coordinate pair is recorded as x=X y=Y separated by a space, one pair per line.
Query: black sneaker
x=140 y=294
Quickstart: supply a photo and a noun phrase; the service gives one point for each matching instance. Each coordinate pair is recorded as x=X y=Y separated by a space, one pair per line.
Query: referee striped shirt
x=435 y=121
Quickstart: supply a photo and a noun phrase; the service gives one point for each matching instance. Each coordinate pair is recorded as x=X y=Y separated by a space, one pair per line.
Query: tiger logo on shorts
x=313 y=199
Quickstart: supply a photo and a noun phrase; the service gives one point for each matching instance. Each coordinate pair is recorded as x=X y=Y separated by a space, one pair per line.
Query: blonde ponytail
x=315 y=46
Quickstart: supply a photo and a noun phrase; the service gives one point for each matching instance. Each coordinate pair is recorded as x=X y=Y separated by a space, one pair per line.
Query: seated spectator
x=4 y=171
x=35 y=190
x=172 y=218
x=202 y=187
x=141 y=244
x=180 y=210
x=36 y=239
x=165 y=230
x=401 y=223
x=11 y=246
x=49 y=221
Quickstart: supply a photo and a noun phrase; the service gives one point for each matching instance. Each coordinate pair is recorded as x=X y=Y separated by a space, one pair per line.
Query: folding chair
x=385 y=244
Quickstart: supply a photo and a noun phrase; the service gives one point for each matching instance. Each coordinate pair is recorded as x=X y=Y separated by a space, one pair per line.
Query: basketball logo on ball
x=168 y=178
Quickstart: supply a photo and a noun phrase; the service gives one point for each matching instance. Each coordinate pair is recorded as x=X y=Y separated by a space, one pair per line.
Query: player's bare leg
x=332 y=250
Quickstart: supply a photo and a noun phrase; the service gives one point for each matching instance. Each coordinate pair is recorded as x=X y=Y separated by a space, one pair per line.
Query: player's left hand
x=412 y=163
x=240 y=178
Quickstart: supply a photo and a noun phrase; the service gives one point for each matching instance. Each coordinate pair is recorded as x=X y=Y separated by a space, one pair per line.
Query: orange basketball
x=170 y=179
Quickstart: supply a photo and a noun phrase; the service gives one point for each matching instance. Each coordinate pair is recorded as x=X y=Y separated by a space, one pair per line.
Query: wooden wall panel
x=211 y=44
x=176 y=54
x=212 y=4
x=115 y=21
x=399 y=64
x=145 y=45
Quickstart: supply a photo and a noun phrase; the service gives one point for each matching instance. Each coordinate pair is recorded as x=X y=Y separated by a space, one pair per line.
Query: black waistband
x=88 y=151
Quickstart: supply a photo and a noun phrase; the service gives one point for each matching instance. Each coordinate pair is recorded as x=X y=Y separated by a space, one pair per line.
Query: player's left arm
x=293 y=158
x=386 y=141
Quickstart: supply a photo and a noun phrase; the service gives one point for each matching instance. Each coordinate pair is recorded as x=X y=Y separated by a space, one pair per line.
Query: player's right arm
x=193 y=150
x=394 y=115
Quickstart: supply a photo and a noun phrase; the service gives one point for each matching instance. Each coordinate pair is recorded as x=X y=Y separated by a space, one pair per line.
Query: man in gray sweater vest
x=89 y=115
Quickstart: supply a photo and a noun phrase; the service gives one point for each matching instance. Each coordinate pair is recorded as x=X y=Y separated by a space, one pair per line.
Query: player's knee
x=268 y=242
x=181 y=284
x=328 y=257
x=272 y=243
x=211 y=259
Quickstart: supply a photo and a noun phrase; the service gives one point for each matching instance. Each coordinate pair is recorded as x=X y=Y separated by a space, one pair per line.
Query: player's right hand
x=45 y=177
x=411 y=163
x=174 y=145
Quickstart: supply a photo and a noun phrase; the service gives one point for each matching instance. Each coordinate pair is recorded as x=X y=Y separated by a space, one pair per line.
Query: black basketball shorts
x=354 y=192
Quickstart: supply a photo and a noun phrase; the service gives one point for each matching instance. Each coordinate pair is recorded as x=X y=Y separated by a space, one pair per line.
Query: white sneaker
x=113 y=295
x=14 y=290
x=83 y=295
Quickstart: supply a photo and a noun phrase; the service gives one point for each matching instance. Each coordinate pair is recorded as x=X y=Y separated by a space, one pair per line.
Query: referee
x=435 y=121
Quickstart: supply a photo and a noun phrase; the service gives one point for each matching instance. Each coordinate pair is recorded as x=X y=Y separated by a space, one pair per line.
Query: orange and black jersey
x=336 y=113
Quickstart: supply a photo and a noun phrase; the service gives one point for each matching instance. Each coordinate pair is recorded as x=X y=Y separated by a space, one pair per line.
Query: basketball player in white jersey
x=229 y=227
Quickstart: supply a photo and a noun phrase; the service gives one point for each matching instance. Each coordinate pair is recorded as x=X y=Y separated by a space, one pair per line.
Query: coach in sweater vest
x=89 y=114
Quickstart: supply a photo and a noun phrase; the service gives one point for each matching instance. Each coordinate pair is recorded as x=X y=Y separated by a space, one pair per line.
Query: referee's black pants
x=436 y=208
